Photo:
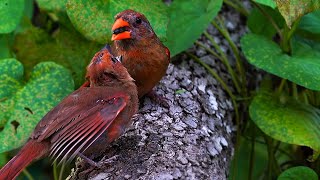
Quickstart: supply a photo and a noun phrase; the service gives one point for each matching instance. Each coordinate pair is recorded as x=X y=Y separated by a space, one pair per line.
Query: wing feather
x=76 y=131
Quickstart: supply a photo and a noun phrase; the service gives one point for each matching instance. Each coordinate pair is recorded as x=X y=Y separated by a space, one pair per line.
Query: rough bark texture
x=191 y=140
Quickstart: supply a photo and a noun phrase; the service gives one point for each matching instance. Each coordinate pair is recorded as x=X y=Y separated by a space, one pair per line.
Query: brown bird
x=83 y=116
x=144 y=55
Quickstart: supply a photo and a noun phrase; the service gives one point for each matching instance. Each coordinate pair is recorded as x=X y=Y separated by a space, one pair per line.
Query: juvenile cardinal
x=144 y=55
x=106 y=107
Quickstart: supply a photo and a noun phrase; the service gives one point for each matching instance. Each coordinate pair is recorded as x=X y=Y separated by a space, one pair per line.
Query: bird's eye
x=138 y=20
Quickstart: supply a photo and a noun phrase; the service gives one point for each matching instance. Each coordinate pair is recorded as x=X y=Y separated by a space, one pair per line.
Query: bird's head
x=130 y=24
x=104 y=67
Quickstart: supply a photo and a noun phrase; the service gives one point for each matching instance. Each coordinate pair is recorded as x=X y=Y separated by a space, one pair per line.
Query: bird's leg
x=158 y=98
x=101 y=163
x=88 y=160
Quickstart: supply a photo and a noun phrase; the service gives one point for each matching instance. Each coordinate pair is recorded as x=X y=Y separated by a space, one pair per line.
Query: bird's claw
x=98 y=164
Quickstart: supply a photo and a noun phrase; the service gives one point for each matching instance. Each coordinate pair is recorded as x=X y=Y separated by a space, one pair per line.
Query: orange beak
x=119 y=34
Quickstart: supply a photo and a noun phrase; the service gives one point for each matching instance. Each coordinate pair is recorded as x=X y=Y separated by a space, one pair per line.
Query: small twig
x=61 y=171
x=252 y=157
x=27 y=174
x=280 y=88
x=225 y=61
x=237 y=6
x=55 y=173
x=235 y=50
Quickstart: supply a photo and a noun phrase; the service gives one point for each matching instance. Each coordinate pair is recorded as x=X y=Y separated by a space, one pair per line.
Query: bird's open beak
x=120 y=30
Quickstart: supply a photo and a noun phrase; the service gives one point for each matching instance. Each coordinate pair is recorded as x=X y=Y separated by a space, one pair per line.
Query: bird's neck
x=131 y=44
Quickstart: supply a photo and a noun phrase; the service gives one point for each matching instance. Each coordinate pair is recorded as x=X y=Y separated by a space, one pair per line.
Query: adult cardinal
x=80 y=119
x=144 y=55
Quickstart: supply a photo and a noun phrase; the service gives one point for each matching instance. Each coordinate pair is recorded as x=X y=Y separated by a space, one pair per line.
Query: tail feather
x=30 y=151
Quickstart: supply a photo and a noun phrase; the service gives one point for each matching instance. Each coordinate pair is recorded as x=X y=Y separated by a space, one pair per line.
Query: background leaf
x=49 y=5
x=66 y=47
x=298 y=173
x=188 y=19
x=305 y=48
x=4 y=46
x=260 y=24
x=309 y=26
x=291 y=10
x=11 y=76
x=243 y=164
x=303 y=70
x=270 y=3
x=47 y=85
x=311 y=22
x=94 y=19
x=10 y=12
x=286 y=120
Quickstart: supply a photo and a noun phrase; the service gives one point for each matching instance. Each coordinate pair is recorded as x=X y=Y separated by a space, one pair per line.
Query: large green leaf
x=311 y=22
x=298 y=173
x=10 y=12
x=26 y=103
x=259 y=163
x=67 y=48
x=305 y=48
x=11 y=73
x=303 y=70
x=258 y=23
x=291 y=10
x=243 y=162
x=4 y=46
x=49 y=5
x=309 y=26
x=270 y=3
x=188 y=19
x=286 y=120
x=94 y=19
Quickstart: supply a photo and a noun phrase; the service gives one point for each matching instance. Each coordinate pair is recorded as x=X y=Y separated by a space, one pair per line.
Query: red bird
x=79 y=120
x=144 y=55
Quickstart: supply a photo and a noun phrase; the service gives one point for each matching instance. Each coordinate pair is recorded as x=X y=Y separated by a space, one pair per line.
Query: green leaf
x=311 y=22
x=298 y=173
x=10 y=12
x=286 y=119
x=94 y=19
x=243 y=163
x=67 y=48
x=303 y=70
x=305 y=48
x=47 y=85
x=269 y=3
x=309 y=26
x=292 y=10
x=4 y=46
x=260 y=24
x=3 y=159
x=11 y=73
x=260 y=155
x=49 y=5
x=188 y=19
x=28 y=9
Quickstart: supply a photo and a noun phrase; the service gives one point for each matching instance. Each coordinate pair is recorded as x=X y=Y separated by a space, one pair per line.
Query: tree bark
x=190 y=140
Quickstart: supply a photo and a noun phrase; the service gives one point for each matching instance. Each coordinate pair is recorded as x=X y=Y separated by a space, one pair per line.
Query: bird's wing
x=79 y=120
